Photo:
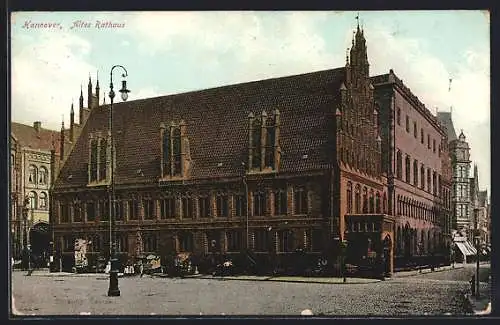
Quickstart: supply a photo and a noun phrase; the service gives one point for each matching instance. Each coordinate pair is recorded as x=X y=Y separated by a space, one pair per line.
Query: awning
x=466 y=248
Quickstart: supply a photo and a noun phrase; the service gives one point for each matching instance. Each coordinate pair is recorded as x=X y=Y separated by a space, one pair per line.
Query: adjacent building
x=416 y=160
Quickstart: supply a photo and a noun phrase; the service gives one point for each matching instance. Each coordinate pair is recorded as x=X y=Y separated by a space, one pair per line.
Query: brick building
x=416 y=159
x=272 y=165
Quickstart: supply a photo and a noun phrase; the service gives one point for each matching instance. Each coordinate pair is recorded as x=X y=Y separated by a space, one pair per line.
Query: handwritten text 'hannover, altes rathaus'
x=77 y=24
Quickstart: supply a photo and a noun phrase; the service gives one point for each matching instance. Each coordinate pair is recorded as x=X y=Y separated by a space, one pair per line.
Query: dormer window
x=175 y=150
x=264 y=141
x=98 y=159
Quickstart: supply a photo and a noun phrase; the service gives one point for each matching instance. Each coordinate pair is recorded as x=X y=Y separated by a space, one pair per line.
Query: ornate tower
x=461 y=199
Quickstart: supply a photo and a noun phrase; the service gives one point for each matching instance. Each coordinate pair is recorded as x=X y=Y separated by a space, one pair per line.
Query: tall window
x=365 y=200
x=33 y=200
x=259 y=203
x=407 y=169
x=149 y=209
x=93 y=160
x=286 y=241
x=428 y=141
x=90 y=207
x=234 y=240
x=263 y=240
x=422 y=136
x=222 y=205
x=372 y=202
x=103 y=209
x=270 y=141
x=349 y=197
x=398 y=116
x=280 y=202
x=42 y=202
x=240 y=205
x=77 y=211
x=102 y=159
x=65 y=213
x=434 y=145
x=428 y=180
x=357 y=199
x=434 y=183
x=42 y=177
x=422 y=177
x=256 y=143
x=300 y=200
x=204 y=204
x=415 y=172
x=150 y=242
x=415 y=132
x=176 y=151
x=399 y=165
x=119 y=212
x=134 y=207
x=32 y=174
x=407 y=124
x=187 y=206
x=167 y=208
x=172 y=165
x=377 y=203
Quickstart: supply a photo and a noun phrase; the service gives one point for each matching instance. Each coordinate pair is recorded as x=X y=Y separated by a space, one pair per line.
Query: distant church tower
x=461 y=199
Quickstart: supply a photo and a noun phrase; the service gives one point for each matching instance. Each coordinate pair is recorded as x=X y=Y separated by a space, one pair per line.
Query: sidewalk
x=426 y=270
x=294 y=279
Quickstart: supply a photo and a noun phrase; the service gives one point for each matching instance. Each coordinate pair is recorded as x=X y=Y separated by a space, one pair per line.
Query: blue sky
x=171 y=52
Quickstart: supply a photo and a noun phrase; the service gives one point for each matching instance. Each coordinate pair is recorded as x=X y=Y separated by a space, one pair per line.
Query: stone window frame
x=259 y=203
x=222 y=204
x=43 y=175
x=167 y=207
x=280 y=202
x=32 y=174
x=204 y=206
x=42 y=200
x=300 y=200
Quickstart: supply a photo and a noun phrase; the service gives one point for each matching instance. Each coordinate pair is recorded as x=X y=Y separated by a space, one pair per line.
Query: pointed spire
x=97 y=85
x=72 y=110
x=347 y=57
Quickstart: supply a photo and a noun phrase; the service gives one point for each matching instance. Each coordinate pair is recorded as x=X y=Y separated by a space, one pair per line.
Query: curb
x=424 y=271
x=277 y=279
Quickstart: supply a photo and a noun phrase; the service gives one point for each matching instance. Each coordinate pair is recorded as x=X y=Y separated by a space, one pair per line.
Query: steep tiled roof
x=28 y=136
x=445 y=119
x=217 y=128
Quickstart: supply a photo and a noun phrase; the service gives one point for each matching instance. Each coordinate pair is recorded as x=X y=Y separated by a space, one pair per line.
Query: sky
x=172 y=52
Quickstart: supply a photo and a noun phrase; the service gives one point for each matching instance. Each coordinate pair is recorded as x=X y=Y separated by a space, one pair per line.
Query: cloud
x=46 y=75
x=145 y=93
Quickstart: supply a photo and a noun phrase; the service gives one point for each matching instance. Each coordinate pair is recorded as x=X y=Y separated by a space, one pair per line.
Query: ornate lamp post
x=114 y=290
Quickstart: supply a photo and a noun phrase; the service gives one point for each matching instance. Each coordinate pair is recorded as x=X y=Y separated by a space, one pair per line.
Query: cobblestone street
x=434 y=293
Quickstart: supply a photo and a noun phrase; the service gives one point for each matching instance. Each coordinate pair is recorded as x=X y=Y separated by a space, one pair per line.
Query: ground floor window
x=317 y=244
x=234 y=240
x=186 y=242
x=286 y=241
x=262 y=240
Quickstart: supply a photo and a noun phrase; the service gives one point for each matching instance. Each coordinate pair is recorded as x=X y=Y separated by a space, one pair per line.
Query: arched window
x=255 y=148
x=349 y=197
x=33 y=200
x=42 y=177
x=103 y=159
x=172 y=165
x=280 y=202
x=415 y=172
x=399 y=165
x=434 y=183
x=166 y=152
x=365 y=200
x=429 y=180
x=300 y=200
x=270 y=142
x=222 y=205
x=259 y=203
x=422 y=136
x=176 y=150
x=42 y=203
x=32 y=174
x=377 y=203
x=384 y=203
x=422 y=177
x=372 y=202
x=407 y=169
x=357 y=199
x=93 y=160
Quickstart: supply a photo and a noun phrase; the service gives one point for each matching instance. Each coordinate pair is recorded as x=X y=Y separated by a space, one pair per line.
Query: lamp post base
x=113 y=290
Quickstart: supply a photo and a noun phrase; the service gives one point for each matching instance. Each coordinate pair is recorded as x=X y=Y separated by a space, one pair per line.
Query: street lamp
x=244 y=178
x=114 y=290
x=476 y=238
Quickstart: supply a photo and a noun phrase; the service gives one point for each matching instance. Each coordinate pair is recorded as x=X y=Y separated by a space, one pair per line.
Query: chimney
x=37 y=126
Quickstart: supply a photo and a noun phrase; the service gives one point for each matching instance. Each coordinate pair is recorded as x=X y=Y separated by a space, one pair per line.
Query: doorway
x=40 y=244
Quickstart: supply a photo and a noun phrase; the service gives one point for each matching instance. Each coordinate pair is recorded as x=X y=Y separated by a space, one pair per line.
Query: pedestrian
x=141 y=269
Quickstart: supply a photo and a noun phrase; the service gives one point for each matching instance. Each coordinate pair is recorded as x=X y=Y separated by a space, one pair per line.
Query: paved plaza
x=432 y=293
